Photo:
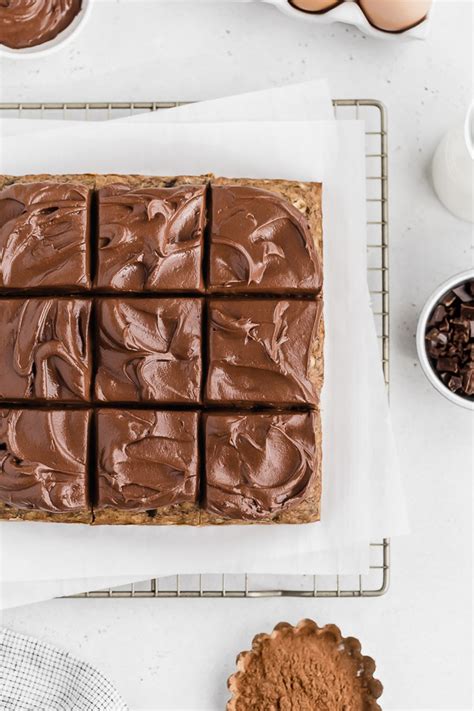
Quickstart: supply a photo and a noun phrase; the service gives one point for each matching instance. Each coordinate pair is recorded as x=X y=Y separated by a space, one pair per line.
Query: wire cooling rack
x=376 y=582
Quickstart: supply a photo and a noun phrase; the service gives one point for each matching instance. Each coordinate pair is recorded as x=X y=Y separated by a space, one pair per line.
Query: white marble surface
x=169 y=654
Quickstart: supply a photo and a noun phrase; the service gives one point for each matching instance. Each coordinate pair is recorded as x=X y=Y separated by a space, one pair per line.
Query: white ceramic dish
x=430 y=373
x=59 y=41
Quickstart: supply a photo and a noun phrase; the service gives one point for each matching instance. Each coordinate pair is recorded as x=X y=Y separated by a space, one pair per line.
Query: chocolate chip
x=468 y=382
x=467 y=311
x=438 y=315
x=435 y=342
x=460 y=323
x=461 y=334
x=448 y=299
x=448 y=365
x=462 y=293
x=454 y=383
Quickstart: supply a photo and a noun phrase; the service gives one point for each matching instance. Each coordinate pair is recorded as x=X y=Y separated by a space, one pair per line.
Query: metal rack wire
x=376 y=582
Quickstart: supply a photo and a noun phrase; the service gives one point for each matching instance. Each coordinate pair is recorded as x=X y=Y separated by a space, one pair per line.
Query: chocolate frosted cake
x=45 y=349
x=149 y=350
x=44 y=236
x=260 y=352
x=43 y=465
x=148 y=462
x=307 y=668
x=261 y=467
x=261 y=243
x=150 y=239
x=182 y=318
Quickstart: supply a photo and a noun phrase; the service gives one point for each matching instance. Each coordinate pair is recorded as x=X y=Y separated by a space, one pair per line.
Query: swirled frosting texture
x=149 y=350
x=43 y=459
x=260 y=352
x=260 y=242
x=258 y=465
x=44 y=349
x=27 y=23
x=150 y=239
x=147 y=459
x=44 y=236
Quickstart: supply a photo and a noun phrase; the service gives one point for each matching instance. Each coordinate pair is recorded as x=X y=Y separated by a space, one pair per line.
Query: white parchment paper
x=360 y=472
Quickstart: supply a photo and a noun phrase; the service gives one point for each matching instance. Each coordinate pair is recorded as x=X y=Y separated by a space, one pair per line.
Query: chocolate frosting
x=43 y=458
x=260 y=352
x=258 y=465
x=27 y=23
x=151 y=239
x=146 y=459
x=260 y=242
x=44 y=349
x=43 y=235
x=149 y=350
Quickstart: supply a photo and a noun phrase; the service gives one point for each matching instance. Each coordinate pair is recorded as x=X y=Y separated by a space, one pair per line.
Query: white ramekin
x=59 y=41
x=428 y=369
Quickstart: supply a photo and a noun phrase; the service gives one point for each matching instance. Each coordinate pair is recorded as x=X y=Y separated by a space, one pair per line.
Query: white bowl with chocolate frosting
x=32 y=28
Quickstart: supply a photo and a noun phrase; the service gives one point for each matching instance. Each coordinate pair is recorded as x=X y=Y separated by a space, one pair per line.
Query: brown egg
x=315 y=5
x=395 y=15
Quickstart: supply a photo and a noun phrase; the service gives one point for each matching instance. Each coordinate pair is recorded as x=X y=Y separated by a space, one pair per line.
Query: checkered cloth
x=37 y=677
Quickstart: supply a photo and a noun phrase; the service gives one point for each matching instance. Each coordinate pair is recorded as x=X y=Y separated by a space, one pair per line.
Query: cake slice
x=260 y=352
x=147 y=467
x=265 y=237
x=148 y=350
x=44 y=235
x=43 y=465
x=45 y=349
x=150 y=238
x=262 y=467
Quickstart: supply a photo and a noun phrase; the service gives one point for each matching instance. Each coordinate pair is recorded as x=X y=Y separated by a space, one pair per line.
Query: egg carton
x=350 y=13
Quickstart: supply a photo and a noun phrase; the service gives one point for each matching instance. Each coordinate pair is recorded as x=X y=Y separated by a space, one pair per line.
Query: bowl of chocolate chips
x=445 y=339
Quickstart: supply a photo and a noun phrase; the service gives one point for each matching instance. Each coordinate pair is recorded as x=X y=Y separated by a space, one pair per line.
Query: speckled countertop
x=170 y=654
